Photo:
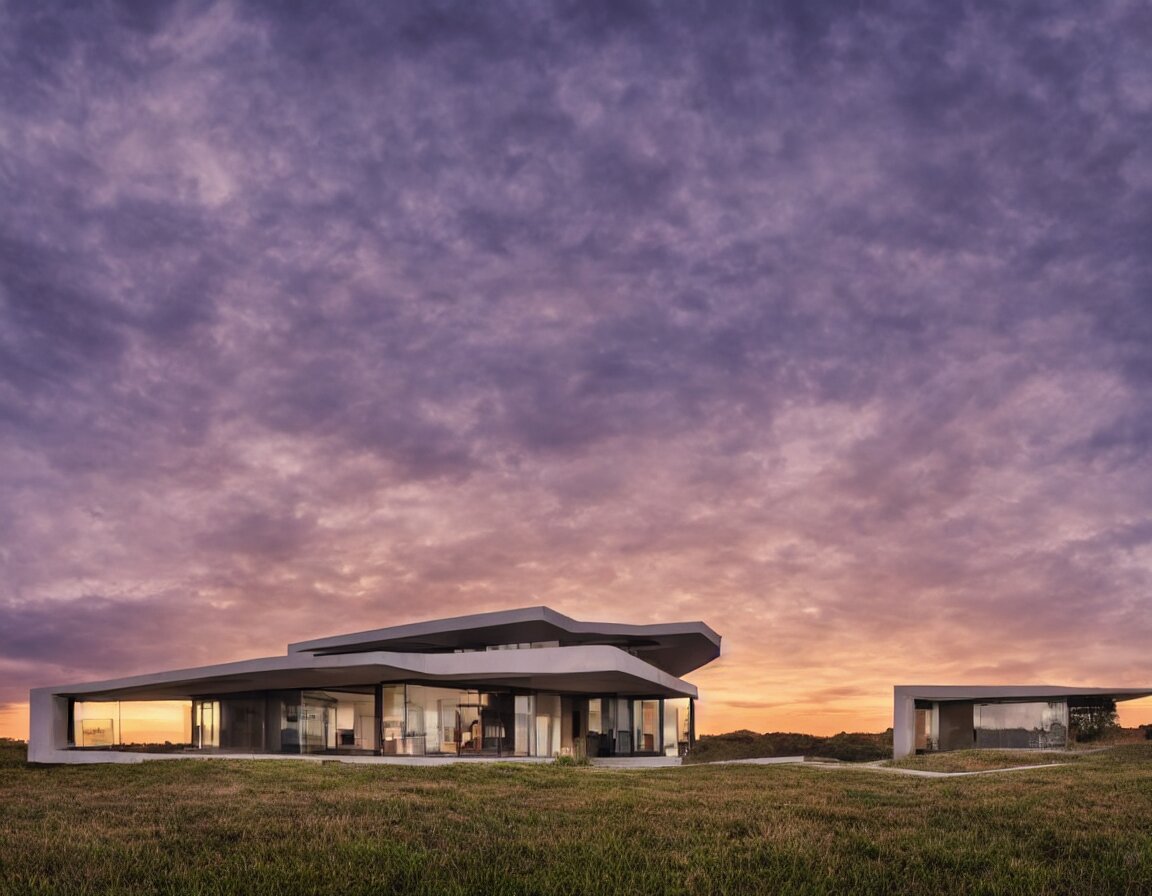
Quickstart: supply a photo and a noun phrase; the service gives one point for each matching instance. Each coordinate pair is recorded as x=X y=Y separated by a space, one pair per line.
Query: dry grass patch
x=981 y=760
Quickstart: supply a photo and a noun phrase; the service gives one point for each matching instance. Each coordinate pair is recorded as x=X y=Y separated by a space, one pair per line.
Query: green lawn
x=293 y=827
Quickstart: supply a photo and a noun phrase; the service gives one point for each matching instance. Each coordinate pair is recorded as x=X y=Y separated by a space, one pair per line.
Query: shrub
x=571 y=761
x=750 y=745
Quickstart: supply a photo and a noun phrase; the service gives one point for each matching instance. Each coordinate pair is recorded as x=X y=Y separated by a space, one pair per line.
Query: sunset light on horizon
x=826 y=324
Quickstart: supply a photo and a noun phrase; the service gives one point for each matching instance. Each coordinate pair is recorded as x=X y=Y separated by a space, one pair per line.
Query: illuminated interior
x=516 y=683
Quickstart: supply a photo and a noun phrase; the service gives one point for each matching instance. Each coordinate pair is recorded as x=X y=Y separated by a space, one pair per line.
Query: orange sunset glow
x=829 y=328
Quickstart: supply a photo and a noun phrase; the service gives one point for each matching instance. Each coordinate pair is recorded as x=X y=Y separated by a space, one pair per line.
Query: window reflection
x=646 y=721
x=421 y=720
x=1034 y=726
x=393 y=719
x=677 y=726
x=158 y=724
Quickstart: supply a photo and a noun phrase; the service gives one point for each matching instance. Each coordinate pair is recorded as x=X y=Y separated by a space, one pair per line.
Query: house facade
x=932 y=718
x=517 y=683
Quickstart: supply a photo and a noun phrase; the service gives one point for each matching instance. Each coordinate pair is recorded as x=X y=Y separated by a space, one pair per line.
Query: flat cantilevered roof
x=597 y=669
x=673 y=647
x=1012 y=692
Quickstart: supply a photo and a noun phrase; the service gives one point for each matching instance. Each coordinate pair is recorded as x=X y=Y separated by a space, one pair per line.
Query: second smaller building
x=931 y=718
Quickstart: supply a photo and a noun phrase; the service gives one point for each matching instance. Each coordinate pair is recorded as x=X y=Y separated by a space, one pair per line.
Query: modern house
x=928 y=718
x=526 y=682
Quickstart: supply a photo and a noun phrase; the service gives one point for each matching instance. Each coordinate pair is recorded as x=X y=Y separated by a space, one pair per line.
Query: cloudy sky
x=829 y=324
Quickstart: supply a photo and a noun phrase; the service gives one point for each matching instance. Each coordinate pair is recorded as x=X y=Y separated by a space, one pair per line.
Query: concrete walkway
x=610 y=762
x=921 y=773
x=877 y=766
x=637 y=762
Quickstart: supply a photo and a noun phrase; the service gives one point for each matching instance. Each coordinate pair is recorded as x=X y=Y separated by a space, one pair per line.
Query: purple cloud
x=826 y=325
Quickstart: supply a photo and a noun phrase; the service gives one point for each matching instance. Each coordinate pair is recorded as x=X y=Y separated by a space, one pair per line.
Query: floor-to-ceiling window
x=621 y=742
x=293 y=721
x=597 y=727
x=1037 y=725
x=523 y=730
x=135 y=724
x=677 y=726
x=423 y=720
x=646 y=726
x=392 y=721
x=549 y=725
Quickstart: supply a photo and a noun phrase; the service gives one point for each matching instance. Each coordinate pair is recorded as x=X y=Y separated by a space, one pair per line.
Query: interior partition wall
x=955 y=729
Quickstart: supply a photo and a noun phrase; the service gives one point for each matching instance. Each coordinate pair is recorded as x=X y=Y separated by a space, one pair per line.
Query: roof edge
x=505 y=617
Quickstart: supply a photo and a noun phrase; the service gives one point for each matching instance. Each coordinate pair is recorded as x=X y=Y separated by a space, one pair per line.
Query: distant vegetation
x=750 y=745
x=1097 y=721
x=285 y=827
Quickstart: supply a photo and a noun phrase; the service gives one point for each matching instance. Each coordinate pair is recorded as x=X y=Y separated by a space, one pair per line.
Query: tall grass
x=216 y=827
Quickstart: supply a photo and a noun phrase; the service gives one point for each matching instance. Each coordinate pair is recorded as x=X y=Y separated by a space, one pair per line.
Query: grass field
x=292 y=827
x=983 y=760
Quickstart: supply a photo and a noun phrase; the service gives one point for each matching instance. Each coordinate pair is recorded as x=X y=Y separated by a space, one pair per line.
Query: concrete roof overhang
x=1013 y=693
x=585 y=670
x=674 y=647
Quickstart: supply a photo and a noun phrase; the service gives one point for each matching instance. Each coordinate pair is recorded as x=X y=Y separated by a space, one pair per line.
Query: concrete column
x=378 y=711
x=47 y=725
x=903 y=723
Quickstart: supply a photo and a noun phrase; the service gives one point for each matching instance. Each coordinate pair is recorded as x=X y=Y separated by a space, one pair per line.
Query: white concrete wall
x=903 y=724
x=47 y=726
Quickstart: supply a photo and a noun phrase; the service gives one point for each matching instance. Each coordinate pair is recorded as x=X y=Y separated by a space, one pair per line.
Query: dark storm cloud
x=789 y=316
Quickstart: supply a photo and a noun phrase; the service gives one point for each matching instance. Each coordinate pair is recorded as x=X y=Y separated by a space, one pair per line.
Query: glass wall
x=677 y=726
x=620 y=726
x=923 y=729
x=549 y=725
x=620 y=737
x=524 y=734
x=205 y=724
x=598 y=728
x=286 y=722
x=321 y=721
x=414 y=720
x=110 y=724
x=1034 y=726
x=392 y=723
x=646 y=724
x=607 y=726
x=230 y=723
x=242 y=722
x=423 y=720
